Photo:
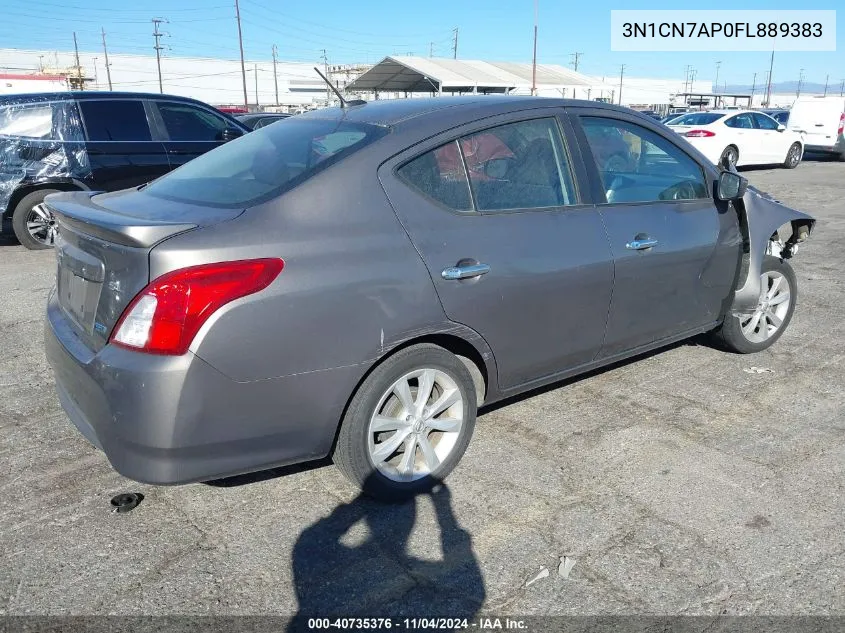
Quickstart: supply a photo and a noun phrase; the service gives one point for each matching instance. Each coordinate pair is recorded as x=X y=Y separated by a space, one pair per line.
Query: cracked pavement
x=678 y=482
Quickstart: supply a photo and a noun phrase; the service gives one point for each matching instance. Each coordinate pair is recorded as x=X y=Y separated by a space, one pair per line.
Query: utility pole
x=753 y=86
x=800 y=81
x=241 y=45
x=157 y=36
x=106 y=53
x=431 y=49
x=826 y=79
x=534 y=59
x=78 y=66
x=621 y=75
x=842 y=88
x=255 y=71
x=575 y=58
x=275 y=74
x=769 y=82
x=717 y=75
x=326 y=70
x=455 y=44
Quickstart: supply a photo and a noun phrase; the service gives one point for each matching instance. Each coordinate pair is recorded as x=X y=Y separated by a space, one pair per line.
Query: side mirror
x=230 y=133
x=731 y=186
x=781 y=127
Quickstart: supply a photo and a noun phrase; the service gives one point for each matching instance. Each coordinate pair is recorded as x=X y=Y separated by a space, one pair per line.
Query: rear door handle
x=464 y=272
x=641 y=244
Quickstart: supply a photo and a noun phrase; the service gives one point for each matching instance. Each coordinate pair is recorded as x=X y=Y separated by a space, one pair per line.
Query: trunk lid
x=103 y=250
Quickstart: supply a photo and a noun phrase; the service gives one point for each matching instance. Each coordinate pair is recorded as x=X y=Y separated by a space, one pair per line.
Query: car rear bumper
x=176 y=419
x=834 y=148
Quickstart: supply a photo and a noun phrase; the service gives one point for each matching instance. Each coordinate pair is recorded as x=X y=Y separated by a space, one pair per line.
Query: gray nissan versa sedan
x=357 y=281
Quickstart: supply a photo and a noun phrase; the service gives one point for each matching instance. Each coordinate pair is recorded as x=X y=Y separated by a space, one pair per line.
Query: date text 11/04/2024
x=415 y=624
x=723 y=29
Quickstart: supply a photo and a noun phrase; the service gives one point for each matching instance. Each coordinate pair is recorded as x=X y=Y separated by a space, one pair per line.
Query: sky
x=364 y=31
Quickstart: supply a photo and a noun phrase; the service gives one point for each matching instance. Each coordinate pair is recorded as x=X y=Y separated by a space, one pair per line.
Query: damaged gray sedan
x=356 y=282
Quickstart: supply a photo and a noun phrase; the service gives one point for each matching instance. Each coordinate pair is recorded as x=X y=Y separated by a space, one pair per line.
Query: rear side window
x=188 y=123
x=48 y=121
x=514 y=166
x=743 y=121
x=113 y=120
x=262 y=164
x=440 y=175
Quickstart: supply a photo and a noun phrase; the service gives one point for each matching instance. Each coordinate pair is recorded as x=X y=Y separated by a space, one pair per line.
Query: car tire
x=383 y=420
x=793 y=156
x=26 y=213
x=729 y=157
x=747 y=334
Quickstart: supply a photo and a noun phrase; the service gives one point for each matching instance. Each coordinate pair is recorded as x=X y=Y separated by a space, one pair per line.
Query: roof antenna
x=343 y=103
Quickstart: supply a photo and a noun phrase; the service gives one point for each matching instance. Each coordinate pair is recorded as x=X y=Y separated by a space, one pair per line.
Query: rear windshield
x=697 y=118
x=43 y=120
x=260 y=165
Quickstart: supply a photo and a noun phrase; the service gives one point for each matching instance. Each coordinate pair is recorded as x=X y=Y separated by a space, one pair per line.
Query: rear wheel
x=793 y=156
x=729 y=157
x=33 y=224
x=755 y=331
x=408 y=424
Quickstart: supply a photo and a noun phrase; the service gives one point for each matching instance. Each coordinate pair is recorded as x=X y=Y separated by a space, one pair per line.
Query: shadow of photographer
x=356 y=563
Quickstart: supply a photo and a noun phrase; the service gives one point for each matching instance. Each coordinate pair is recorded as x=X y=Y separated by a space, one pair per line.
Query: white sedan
x=740 y=137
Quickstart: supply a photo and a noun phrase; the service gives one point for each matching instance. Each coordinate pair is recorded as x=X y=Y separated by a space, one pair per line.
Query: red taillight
x=166 y=315
x=700 y=134
x=841 y=124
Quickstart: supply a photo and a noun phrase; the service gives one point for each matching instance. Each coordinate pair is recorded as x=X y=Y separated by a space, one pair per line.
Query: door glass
x=743 y=121
x=113 y=120
x=638 y=165
x=440 y=175
x=518 y=166
x=188 y=123
x=764 y=122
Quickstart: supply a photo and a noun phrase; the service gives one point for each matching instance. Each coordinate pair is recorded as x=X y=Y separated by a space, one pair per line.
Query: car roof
x=448 y=110
x=81 y=95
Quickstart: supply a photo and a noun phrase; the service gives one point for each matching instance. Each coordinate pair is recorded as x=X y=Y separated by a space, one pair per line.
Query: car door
x=675 y=249
x=773 y=144
x=188 y=130
x=746 y=137
x=513 y=251
x=120 y=146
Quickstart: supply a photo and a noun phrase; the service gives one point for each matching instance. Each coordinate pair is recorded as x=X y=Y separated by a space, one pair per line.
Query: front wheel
x=793 y=156
x=408 y=424
x=756 y=331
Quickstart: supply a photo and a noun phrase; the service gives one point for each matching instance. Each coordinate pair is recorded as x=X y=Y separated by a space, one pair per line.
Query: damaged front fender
x=762 y=216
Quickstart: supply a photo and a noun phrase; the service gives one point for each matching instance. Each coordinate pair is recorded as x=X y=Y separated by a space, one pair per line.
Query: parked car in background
x=256 y=120
x=94 y=141
x=733 y=138
x=781 y=116
x=822 y=122
x=185 y=329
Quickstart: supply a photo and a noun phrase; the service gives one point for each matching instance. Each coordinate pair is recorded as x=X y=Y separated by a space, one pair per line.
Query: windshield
x=260 y=165
x=697 y=118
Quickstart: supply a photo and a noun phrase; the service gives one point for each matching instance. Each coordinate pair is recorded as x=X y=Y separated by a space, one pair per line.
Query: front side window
x=114 y=120
x=765 y=122
x=185 y=122
x=262 y=164
x=743 y=121
x=638 y=165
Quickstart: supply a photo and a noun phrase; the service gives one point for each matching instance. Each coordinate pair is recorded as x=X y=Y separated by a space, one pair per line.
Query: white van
x=821 y=120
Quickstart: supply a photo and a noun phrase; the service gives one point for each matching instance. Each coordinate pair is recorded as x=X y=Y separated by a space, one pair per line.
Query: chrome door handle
x=639 y=245
x=465 y=272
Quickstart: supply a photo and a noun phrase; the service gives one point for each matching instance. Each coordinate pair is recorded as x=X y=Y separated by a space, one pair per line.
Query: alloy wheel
x=41 y=224
x=416 y=425
x=772 y=308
